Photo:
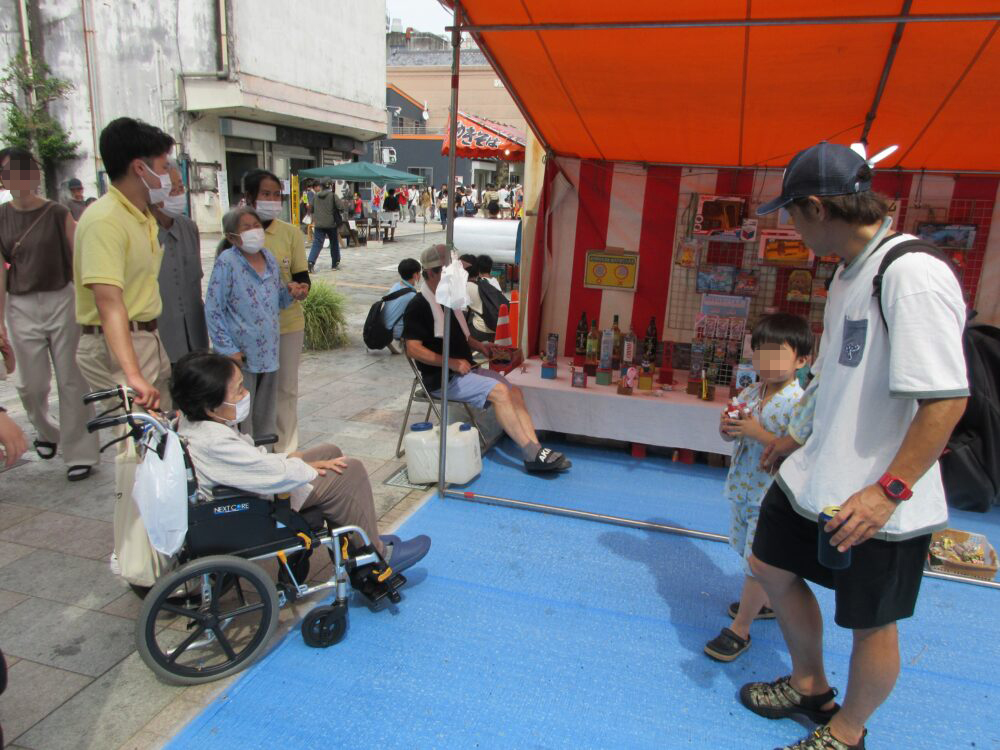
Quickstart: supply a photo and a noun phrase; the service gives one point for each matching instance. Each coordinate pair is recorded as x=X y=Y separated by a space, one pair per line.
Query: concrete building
x=238 y=83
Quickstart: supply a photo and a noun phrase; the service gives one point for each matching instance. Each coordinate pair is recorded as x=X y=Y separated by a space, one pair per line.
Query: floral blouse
x=747 y=482
x=242 y=307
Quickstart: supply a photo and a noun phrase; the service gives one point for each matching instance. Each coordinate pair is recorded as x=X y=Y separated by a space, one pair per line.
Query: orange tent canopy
x=481 y=138
x=750 y=82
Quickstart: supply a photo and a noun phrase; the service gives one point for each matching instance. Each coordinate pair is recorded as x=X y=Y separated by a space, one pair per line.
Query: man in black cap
x=885 y=400
x=76 y=202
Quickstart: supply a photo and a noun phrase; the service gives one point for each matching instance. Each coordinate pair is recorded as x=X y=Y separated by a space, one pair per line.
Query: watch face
x=896 y=487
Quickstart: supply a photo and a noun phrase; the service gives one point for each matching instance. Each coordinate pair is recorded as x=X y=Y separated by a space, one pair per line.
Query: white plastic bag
x=451 y=290
x=160 y=492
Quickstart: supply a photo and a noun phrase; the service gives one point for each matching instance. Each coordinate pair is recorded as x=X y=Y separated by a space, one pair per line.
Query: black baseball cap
x=823 y=169
x=74 y=184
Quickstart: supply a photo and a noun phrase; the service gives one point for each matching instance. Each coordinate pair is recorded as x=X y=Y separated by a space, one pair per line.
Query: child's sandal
x=726 y=646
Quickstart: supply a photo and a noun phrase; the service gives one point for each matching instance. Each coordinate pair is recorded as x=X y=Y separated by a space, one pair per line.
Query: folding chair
x=419 y=392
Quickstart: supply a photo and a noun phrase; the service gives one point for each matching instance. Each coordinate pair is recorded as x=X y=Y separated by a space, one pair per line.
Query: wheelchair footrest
x=377 y=582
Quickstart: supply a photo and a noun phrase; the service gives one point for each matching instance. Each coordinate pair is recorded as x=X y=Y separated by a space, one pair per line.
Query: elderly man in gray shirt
x=182 y=322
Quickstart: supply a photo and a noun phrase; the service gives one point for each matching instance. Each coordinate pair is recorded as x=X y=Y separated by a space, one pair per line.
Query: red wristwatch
x=894 y=487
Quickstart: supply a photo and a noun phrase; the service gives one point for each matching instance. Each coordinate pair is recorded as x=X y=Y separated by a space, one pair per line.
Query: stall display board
x=611 y=268
x=784 y=247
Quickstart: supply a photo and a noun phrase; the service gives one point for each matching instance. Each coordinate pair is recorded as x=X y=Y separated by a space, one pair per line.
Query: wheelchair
x=214 y=612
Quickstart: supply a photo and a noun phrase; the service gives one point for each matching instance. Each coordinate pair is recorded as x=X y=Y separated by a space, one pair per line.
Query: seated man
x=208 y=390
x=423 y=333
x=392 y=311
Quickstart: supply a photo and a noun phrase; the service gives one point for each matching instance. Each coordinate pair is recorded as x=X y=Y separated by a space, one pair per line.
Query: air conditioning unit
x=388 y=156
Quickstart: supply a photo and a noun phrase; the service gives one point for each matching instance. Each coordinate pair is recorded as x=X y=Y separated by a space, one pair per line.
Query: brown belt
x=133 y=325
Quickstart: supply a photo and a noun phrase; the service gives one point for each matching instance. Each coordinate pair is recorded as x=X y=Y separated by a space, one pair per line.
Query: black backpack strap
x=904 y=248
x=396 y=294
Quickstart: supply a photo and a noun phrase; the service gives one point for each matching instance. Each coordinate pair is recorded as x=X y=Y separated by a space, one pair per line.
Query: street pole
x=456 y=42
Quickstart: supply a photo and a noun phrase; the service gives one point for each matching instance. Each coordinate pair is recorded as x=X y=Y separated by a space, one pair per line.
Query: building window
x=426 y=172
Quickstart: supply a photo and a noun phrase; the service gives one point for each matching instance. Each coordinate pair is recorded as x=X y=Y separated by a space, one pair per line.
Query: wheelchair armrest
x=224 y=492
x=269 y=439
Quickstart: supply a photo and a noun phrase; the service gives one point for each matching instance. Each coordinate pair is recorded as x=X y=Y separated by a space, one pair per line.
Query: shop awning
x=363 y=171
x=749 y=82
x=481 y=138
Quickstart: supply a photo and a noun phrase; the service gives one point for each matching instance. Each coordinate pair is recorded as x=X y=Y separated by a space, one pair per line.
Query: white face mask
x=253 y=240
x=161 y=193
x=242 y=410
x=268 y=210
x=175 y=204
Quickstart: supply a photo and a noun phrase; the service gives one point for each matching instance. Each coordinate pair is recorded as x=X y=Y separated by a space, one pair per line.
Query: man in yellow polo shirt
x=116 y=263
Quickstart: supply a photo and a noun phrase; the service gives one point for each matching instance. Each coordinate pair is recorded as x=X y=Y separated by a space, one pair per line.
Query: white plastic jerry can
x=422 y=445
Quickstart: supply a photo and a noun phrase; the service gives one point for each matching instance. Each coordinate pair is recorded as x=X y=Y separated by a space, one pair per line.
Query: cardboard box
x=603 y=376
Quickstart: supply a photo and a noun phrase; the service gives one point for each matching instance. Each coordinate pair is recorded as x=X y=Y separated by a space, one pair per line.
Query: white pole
x=456 y=42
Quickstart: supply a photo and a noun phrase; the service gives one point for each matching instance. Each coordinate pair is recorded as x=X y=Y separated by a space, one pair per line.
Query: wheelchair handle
x=101 y=423
x=117 y=391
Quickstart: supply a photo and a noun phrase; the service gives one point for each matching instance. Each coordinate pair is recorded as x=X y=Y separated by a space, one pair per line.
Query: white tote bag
x=160 y=492
x=138 y=562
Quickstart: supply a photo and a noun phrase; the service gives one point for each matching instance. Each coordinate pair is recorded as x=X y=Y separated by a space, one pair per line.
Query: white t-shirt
x=5 y=196
x=504 y=197
x=868 y=389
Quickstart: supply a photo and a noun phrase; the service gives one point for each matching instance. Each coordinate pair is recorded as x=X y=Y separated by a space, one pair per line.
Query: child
x=781 y=344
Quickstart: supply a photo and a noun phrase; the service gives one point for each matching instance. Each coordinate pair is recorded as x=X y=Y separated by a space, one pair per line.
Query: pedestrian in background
x=286 y=244
x=326 y=219
x=243 y=304
x=426 y=203
x=443 y=206
x=76 y=202
x=182 y=322
x=412 y=197
x=116 y=264
x=36 y=239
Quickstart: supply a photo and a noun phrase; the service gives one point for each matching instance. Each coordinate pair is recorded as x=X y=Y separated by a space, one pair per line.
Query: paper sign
x=612 y=268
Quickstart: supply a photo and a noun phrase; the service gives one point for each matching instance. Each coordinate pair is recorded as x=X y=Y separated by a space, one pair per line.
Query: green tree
x=26 y=91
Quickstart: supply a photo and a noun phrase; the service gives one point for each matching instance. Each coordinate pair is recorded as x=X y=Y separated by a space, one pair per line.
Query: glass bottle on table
x=649 y=343
x=593 y=344
x=628 y=348
x=581 y=336
x=616 y=351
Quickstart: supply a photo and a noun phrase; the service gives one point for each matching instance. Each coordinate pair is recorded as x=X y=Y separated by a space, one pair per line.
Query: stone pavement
x=67 y=623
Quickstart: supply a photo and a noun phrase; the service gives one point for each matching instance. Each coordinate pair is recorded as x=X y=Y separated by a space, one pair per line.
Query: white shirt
x=222 y=455
x=5 y=196
x=504 y=195
x=870 y=381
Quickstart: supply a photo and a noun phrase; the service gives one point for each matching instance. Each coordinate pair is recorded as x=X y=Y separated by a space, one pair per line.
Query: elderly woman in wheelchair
x=208 y=390
x=212 y=610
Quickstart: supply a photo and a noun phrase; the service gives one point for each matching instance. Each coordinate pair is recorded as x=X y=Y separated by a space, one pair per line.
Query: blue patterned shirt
x=242 y=307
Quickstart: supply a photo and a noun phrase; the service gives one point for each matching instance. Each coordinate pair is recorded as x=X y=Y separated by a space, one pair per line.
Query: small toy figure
x=578 y=377
x=628 y=381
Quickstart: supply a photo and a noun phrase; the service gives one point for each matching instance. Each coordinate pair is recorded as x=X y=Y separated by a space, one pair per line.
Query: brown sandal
x=779 y=700
x=727 y=646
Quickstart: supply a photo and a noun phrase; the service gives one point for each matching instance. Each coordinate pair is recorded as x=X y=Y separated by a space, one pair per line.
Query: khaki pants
x=102 y=370
x=287 y=406
x=43 y=327
x=344 y=499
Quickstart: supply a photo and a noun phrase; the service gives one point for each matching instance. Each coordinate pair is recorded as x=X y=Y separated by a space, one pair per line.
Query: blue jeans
x=319 y=236
x=444 y=216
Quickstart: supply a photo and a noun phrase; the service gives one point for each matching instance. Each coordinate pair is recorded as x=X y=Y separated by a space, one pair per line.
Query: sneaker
x=406 y=554
x=822 y=739
x=312 y=268
x=779 y=700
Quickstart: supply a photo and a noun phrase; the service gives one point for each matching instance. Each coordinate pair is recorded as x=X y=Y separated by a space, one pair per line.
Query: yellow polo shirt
x=117 y=244
x=288 y=246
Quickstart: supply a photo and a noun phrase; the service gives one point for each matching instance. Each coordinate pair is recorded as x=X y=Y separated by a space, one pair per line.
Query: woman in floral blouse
x=245 y=296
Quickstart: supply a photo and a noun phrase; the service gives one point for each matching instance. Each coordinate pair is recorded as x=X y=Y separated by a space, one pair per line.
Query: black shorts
x=879 y=587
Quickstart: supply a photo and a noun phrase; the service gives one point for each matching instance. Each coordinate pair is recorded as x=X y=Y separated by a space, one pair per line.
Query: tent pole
x=890 y=58
x=456 y=52
x=732 y=22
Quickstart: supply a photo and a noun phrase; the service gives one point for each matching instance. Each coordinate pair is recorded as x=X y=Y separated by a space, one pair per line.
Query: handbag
x=138 y=562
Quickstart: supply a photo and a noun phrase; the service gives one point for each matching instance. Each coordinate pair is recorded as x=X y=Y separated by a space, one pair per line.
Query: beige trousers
x=42 y=328
x=344 y=499
x=287 y=405
x=102 y=370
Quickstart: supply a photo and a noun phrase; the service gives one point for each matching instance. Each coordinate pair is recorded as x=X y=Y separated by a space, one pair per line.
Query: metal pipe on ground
x=558 y=510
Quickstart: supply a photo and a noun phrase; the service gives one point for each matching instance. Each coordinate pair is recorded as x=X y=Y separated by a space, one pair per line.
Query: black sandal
x=727 y=645
x=547 y=460
x=76 y=473
x=766 y=613
x=49 y=448
x=779 y=700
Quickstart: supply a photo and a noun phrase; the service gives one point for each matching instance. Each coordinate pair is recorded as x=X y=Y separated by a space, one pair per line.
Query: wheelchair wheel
x=325 y=626
x=189 y=639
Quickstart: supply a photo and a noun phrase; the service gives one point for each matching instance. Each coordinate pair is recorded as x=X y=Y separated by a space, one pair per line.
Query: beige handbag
x=139 y=563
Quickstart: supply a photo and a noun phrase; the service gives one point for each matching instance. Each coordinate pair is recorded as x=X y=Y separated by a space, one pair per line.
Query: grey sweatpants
x=263 y=387
x=344 y=499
